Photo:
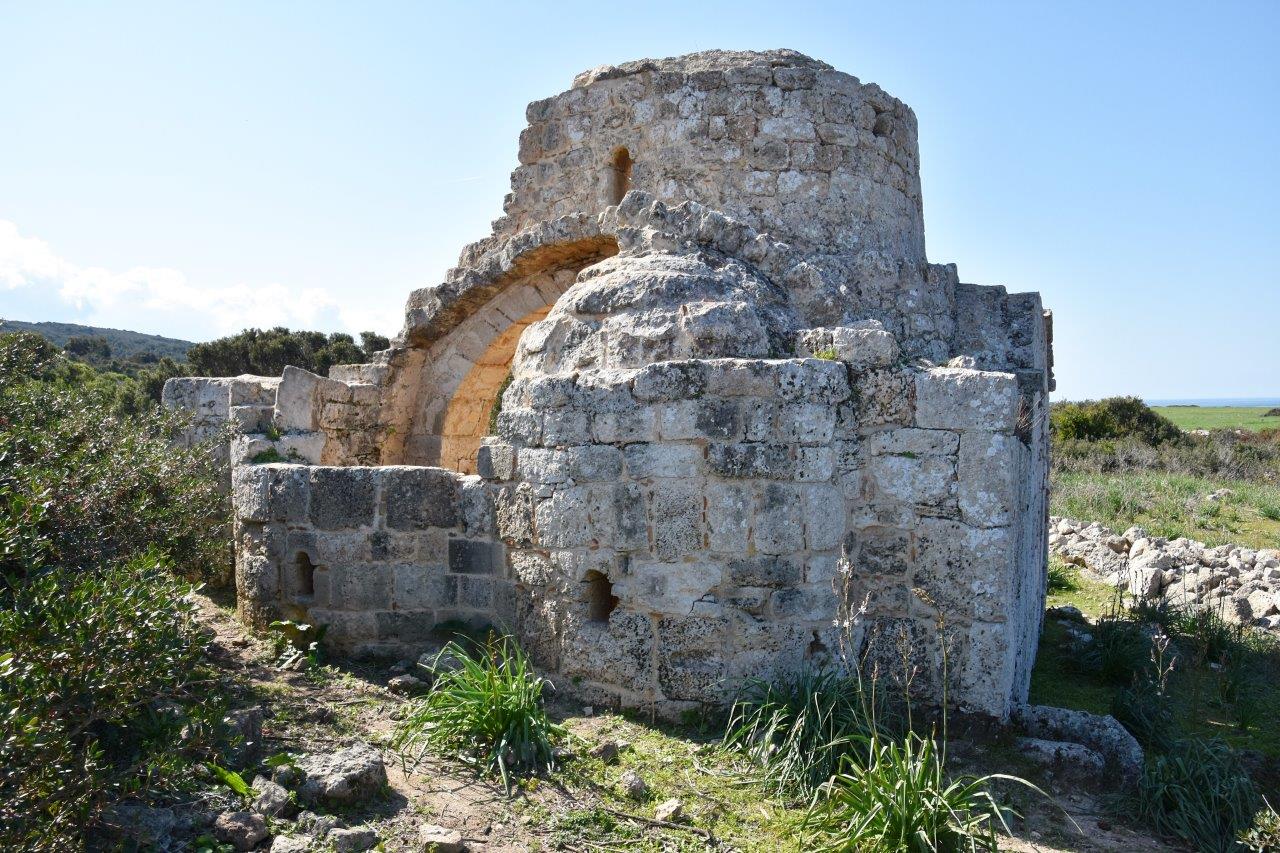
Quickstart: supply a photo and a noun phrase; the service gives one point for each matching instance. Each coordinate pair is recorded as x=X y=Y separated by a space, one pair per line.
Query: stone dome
x=632 y=310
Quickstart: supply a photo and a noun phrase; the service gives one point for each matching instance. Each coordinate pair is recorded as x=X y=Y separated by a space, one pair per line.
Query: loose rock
x=437 y=839
x=344 y=776
x=242 y=830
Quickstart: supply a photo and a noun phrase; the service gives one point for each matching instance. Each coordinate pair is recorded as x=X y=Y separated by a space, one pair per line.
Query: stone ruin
x=699 y=410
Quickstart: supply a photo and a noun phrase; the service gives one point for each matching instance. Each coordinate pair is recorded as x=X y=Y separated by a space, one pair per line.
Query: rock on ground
x=1103 y=735
x=353 y=839
x=242 y=830
x=347 y=775
x=437 y=839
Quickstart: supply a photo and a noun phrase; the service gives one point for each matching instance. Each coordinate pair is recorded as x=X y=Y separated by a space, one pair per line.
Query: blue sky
x=190 y=169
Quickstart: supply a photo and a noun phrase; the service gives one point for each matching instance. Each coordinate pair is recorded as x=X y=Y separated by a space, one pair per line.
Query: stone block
x=779 y=528
x=824 y=517
x=987 y=471
x=804 y=605
x=765 y=571
x=594 y=463
x=405 y=627
x=691 y=657
x=474 y=557
x=670 y=380
x=910 y=479
x=967 y=571
x=561 y=521
x=959 y=398
x=296 y=403
x=342 y=498
x=645 y=461
x=618 y=651
x=878 y=551
x=750 y=460
x=417 y=587
x=475 y=592
x=813 y=380
x=670 y=588
x=806 y=423
x=885 y=397
x=418 y=498
x=496 y=461
x=676 y=508
x=729 y=508
x=362 y=586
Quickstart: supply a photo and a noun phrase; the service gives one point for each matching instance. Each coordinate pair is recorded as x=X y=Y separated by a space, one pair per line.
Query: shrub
x=81 y=486
x=1264 y=835
x=102 y=694
x=1112 y=418
x=485 y=709
x=1062 y=577
x=902 y=801
x=266 y=352
x=798 y=731
x=1199 y=793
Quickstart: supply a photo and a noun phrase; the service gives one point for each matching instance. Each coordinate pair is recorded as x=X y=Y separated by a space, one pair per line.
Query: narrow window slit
x=306 y=575
x=619 y=175
x=601 y=601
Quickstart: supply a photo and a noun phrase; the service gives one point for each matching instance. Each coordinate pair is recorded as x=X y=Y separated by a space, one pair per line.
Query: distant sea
x=1260 y=402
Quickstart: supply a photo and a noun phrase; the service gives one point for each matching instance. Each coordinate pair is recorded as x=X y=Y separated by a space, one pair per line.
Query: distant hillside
x=124 y=344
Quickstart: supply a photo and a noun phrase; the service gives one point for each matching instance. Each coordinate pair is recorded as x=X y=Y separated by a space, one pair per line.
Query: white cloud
x=163 y=300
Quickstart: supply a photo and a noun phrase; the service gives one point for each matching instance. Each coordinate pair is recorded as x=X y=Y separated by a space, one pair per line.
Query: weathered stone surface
x=346 y=775
x=437 y=839
x=242 y=830
x=1104 y=735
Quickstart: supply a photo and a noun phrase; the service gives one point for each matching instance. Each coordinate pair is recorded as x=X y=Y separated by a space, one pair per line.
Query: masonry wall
x=736 y=509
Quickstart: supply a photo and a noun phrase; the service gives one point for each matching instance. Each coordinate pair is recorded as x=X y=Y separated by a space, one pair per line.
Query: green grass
x=486 y=710
x=1206 y=701
x=1218 y=417
x=1075 y=590
x=719 y=788
x=1172 y=505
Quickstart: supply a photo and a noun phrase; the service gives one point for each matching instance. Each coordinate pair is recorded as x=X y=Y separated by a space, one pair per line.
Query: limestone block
x=617 y=651
x=676 y=509
x=296 y=404
x=863 y=347
x=728 y=517
x=513 y=509
x=474 y=557
x=987 y=471
x=967 y=571
x=806 y=423
x=637 y=423
x=779 y=528
x=342 y=498
x=816 y=604
x=645 y=461
x=561 y=521
x=911 y=479
x=475 y=592
x=913 y=442
x=765 y=571
x=958 y=398
x=361 y=586
x=814 y=464
x=670 y=588
x=878 y=551
x=543 y=467
x=416 y=587
x=496 y=461
x=824 y=517
x=813 y=380
x=885 y=397
x=691 y=656
x=594 y=463
x=750 y=460
x=986 y=670
x=735 y=377
x=475 y=506
x=564 y=427
x=418 y=498
x=670 y=380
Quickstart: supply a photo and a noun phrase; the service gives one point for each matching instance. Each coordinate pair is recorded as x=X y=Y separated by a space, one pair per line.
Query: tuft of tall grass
x=799 y=730
x=902 y=800
x=1062 y=577
x=1200 y=793
x=485 y=709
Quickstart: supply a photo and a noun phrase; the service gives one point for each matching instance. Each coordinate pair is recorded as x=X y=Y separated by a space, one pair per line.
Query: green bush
x=81 y=485
x=102 y=694
x=798 y=731
x=266 y=352
x=1199 y=793
x=1112 y=418
x=900 y=799
x=485 y=709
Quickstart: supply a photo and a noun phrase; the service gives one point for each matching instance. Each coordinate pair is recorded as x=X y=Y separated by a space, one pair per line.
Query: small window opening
x=619 y=175
x=600 y=598
x=883 y=125
x=306 y=575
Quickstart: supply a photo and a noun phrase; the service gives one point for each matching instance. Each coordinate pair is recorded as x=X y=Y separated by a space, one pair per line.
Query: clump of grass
x=485 y=709
x=1062 y=577
x=902 y=801
x=799 y=730
x=1200 y=793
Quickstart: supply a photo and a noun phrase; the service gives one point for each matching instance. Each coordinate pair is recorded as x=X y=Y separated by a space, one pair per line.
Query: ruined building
x=698 y=410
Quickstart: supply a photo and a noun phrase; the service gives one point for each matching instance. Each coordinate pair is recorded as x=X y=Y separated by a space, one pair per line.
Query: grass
x=485 y=709
x=1219 y=417
x=719 y=788
x=1173 y=505
x=799 y=731
x=1068 y=587
x=1219 y=687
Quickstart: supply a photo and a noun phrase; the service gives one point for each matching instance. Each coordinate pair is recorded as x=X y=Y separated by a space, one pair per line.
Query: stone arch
x=459 y=358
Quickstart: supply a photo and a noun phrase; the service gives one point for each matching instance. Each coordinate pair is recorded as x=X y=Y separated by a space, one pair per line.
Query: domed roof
x=633 y=310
